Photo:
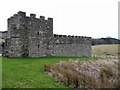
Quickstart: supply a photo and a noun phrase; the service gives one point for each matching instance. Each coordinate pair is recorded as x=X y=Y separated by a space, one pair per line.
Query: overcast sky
x=93 y=18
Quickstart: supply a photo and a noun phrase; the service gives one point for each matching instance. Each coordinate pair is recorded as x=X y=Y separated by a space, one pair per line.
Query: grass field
x=111 y=49
x=29 y=72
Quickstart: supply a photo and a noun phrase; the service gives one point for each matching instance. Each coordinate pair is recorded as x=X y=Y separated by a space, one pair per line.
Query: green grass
x=29 y=72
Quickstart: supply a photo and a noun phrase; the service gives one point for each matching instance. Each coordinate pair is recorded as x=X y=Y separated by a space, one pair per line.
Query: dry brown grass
x=76 y=74
x=107 y=49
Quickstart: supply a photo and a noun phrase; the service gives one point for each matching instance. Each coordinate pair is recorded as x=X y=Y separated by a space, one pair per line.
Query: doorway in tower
x=25 y=53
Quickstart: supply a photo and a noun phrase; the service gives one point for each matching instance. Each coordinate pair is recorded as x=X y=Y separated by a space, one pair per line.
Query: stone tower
x=28 y=36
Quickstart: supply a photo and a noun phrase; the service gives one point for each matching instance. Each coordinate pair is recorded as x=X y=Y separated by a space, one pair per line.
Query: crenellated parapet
x=21 y=14
x=70 y=39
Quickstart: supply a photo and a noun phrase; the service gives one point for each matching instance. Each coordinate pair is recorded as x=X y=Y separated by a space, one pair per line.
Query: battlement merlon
x=33 y=15
x=50 y=19
x=21 y=14
x=42 y=17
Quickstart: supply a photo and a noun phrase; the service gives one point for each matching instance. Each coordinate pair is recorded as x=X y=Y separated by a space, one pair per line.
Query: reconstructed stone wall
x=33 y=37
x=71 y=46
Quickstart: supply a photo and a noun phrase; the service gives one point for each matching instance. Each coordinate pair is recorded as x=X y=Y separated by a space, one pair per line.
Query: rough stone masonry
x=33 y=37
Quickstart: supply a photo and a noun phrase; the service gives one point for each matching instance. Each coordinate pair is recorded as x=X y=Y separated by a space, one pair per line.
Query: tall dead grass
x=68 y=73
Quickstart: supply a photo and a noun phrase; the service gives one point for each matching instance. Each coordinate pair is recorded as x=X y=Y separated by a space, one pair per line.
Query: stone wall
x=29 y=36
x=71 y=46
